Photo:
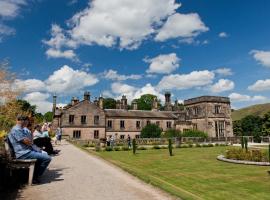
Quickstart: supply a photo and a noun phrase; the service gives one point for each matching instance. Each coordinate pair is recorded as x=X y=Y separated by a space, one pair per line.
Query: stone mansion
x=89 y=120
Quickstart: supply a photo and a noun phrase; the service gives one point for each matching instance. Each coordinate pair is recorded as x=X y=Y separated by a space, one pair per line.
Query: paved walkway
x=76 y=175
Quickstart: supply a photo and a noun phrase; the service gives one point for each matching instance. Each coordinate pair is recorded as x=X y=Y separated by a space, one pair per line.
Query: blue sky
x=116 y=47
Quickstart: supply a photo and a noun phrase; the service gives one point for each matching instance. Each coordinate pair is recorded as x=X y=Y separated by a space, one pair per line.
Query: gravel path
x=76 y=175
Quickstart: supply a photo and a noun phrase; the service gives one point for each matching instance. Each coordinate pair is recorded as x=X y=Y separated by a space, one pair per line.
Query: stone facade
x=88 y=120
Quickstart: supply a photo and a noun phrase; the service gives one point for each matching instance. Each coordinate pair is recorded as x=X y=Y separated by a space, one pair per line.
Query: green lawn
x=194 y=173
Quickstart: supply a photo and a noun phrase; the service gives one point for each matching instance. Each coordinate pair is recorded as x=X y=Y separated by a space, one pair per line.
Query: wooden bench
x=13 y=163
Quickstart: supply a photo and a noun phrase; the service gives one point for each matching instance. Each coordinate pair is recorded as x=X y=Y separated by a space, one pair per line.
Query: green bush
x=204 y=145
x=184 y=146
x=108 y=149
x=198 y=145
x=117 y=148
x=210 y=145
x=151 y=131
x=142 y=148
x=134 y=146
x=156 y=147
x=172 y=133
x=170 y=146
x=190 y=145
x=255 y=155
x=125 y=148
x=217 y=144
x=195 y=133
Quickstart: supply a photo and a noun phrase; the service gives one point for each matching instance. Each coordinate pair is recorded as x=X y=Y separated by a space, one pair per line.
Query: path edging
x=245 y=162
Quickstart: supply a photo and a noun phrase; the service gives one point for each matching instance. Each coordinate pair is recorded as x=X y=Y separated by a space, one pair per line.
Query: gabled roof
x=139 y=114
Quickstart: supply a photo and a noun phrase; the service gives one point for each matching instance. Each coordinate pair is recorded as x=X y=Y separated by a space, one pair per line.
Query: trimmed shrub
x=210 y=145
x=170 y=146
x=172 y=133
x=217 y=144
x=125 y=148
x=255 y=155
x=198 y=145
x=151 y=131
x=134 y=146
x=108 y=149
x=242 y=142
x=142 y=148
x=184 y=146
x=156 y=147
x=116 y=148
x=190 y=145
x=195 y=133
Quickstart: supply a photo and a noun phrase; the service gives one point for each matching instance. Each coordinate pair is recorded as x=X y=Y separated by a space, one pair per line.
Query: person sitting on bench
x=43 y=141
x=23 y=147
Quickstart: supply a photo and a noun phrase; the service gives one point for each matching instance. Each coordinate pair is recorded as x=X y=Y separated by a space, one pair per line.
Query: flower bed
x=255 y=155
x=222 y=158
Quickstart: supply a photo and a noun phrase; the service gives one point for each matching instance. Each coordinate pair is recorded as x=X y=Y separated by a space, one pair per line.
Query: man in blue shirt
x=23 y=146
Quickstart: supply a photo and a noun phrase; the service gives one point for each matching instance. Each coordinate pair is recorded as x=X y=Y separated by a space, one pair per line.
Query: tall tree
x=151 y=131
x=48 y=116
x=252 y=126
x=145 y=101
x=109 y=103
x=266 y=124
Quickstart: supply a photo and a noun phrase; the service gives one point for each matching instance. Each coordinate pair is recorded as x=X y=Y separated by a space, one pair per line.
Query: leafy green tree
x=48 y=116
x=252 y=126
x=26 y=106
x=266 y=124
x=39 y=118
x=171 y=133
x=145 y=101
x=151 y=131
x=195 y=133
x=109 y=103
x=237 y=128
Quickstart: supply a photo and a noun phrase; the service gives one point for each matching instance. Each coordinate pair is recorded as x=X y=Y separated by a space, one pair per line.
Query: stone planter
x=245 y=162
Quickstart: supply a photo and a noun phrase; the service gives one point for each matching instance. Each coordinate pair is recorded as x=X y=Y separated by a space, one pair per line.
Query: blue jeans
x=43 y=160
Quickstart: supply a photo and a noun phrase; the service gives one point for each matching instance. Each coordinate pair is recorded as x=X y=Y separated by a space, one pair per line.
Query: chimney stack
x=168 y=105
x=118 y=104
x=155 y=104
x=86 y=96
x=100 y=102
x=134 y=105
x=124 y=103
x=54 y=104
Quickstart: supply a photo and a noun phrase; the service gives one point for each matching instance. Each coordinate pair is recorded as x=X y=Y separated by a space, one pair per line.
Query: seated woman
x=43 y=141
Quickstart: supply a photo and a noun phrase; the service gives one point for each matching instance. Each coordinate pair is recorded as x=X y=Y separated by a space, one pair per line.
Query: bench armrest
x=24 y=160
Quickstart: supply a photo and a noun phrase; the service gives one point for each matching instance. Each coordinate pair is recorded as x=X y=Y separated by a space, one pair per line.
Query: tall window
x=157 y=123
x=96 y=134
x=196 y=110
x=76 y=134
x=83 y=119
x=96 y=119
x=148 y=122
x=220 y=128
x=122 y=124
x=138 y=124
x=71 y=119
x=122 y=137
x=217 y=109
x=169 y=124
x=109 y=123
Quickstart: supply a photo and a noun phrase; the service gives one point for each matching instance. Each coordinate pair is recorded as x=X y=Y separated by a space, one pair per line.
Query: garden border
x=245 y=162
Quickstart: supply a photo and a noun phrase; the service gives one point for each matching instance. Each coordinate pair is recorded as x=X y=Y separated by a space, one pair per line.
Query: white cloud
x=58 y=42
x=222 y=85
x=40 y=100
x=223 y=35
x=223 y=71
x=263 y=57
x=126 y=24
x=131 y=92
x=57 y=53
x=236 y=97
x=163 y=64
x=130 y=22
x=30 y=85
x=181 y=25
x=113 y=75
x=186 y=81
x=260 y=85
x=67 y=80
x=9 y=9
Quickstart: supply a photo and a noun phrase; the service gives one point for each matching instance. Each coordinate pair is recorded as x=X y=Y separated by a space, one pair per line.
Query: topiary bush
x=156 y=147
x=108 y=149
x=170 y=146
x=195 y=133
x=117 y=148
x=134 y=146
x=198 y=145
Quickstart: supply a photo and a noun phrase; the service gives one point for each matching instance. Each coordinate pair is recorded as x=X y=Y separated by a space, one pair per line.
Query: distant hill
x=257 y=110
